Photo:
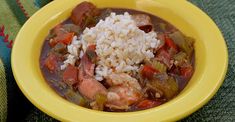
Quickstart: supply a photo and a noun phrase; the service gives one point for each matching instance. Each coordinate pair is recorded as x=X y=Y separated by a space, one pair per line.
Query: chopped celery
x=60 y=48
x=156 y=65
x=75 y=97
x=72 y=28
x=161 y=76
x=162 y=26
x=50 y=36
x=90 y=21
x=100 y=100
x=180 y=57
x=159 y=66
x=169 y=87
x=68 y=92
x=185 y=43
x=172 y=88
x=104 y=14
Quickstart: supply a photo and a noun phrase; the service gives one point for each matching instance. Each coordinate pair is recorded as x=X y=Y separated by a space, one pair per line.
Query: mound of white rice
x=120 y=44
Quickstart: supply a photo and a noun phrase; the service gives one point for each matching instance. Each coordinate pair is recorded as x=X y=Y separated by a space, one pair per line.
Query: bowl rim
x=184 y=114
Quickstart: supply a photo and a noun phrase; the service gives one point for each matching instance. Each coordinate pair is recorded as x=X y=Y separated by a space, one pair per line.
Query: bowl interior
x=204 y=83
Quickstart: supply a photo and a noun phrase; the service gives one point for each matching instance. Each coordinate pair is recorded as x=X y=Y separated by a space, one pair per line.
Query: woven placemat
x=13 y=14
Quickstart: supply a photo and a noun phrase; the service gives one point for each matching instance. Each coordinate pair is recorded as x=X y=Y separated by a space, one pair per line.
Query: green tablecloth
x=14 y=106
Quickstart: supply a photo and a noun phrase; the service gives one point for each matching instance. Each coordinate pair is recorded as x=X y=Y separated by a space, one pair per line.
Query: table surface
x=14 y=106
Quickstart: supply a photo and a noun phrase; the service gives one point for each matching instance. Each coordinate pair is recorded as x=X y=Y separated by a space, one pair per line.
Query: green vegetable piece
x=91 y=55
x=104 y=14
x=90 y=21
x=100 y=100
x=169 y=87
x=60 y=48
x=68 y=93
x=185 y=43
x=75 y=97
x=159 y=66
x=50 y=36
x=180 y=56
x=162 y=26
x=72 y=28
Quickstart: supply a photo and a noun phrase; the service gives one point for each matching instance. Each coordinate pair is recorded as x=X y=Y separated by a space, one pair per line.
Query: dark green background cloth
x=220 y=108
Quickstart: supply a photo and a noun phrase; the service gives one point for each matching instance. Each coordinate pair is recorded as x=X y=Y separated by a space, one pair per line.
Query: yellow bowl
x=210 y=50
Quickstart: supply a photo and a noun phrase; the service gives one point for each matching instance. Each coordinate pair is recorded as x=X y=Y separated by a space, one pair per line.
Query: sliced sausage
x=70 y=75
x=81 y=12
x=51 y=62
x=143 y=21
x=88 y=86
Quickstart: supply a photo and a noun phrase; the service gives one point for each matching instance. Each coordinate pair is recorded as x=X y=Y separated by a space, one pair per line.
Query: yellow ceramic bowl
x=210 y=50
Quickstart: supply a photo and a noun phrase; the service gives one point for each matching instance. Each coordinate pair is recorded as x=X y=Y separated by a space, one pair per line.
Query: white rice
x=120 y=45
x=73 y=50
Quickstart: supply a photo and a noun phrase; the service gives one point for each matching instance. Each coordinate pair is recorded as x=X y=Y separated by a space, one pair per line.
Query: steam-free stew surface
x=161 y=78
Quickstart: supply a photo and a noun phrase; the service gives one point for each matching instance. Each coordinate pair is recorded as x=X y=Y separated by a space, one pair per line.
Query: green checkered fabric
x=3 y=94
x=14 y=106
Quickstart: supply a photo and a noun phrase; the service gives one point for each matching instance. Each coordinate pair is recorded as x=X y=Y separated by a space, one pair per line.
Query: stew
x=115 y=59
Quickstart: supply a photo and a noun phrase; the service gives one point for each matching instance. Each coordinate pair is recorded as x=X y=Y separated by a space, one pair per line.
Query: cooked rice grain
x=120 y=45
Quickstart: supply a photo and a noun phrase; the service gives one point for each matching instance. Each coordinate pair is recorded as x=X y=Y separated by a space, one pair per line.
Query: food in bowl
x=116 y=60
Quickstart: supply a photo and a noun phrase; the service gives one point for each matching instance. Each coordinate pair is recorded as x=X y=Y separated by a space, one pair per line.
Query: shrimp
x=123 y=79
x=123 y=92
x=121 y=97
x=88 y=86
x=124 y=89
